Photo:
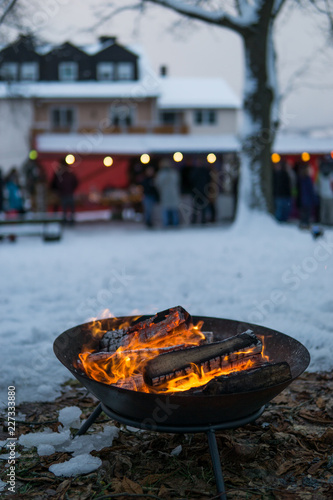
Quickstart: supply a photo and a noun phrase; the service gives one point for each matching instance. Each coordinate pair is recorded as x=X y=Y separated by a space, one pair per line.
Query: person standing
x=168 y=185
x=64 y=183
x=201 y=180
x=1 y=191
x=150 y=196
x=14 y=201
x=282 y=190
x=307 y=196
x=325 y=185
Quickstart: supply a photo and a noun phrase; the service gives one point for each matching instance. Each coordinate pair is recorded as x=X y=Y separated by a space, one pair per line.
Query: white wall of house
x=226 y=123
x=16 y=119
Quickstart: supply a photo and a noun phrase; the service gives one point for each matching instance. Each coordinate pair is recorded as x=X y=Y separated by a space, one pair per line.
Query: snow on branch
x=217 y=17
x=5 y=7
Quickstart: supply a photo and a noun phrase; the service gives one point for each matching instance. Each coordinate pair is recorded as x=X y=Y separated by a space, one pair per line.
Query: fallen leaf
x=327 y=437
x=163 y=492
x=154 y=478
x=130 y=486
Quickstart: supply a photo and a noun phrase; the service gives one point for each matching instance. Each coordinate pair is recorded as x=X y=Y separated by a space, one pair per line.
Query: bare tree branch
x=240 y=24
x=295 y=80
x=5 y=8
x=103 y=17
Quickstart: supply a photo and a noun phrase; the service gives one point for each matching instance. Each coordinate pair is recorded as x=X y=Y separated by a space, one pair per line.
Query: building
x=104 y=107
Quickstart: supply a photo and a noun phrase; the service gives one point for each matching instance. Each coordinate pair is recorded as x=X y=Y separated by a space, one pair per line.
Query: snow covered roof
x=193 y=92
x=79 y=90
x=135 y=143
x=169 y=143
x=297 y=143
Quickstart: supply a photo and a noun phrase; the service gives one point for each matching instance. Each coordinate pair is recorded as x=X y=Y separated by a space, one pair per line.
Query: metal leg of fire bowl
x=85 y=426
x=214 y=453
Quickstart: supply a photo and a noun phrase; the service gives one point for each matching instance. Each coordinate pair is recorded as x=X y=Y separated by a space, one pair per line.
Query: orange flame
x=124 y=367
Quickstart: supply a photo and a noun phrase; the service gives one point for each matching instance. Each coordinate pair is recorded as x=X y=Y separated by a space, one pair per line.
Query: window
x=205 y=117
x=125 y=71
x=105 y=71
x=9 y=71
x=30 y=71
x=68 y=71
x=170 y=118
x=121 y=115
x=62 y=117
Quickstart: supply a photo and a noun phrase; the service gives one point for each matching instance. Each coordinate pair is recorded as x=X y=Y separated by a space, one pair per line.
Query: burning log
x=228 y=353
x=134 y=383
x=265 y=375
x=112 y=340
x=162 y=324
x=99 y=357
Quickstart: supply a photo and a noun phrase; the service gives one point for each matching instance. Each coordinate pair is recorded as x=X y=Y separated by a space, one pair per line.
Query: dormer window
x=125 y=71
x=29 y=71
x=105 y=71
x=68 y=71
x=9 y=71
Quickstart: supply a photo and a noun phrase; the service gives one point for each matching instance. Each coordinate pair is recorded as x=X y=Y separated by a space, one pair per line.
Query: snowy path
x=271 y=275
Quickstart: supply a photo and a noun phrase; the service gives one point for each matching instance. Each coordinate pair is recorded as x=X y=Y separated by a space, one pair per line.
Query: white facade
x=16 y=119
x=226 y=122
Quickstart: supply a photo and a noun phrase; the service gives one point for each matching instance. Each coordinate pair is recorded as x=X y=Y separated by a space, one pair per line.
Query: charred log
x=226 y=353
x=266 y=375
x=162 y=324
x=134 y=383
x=112 y=340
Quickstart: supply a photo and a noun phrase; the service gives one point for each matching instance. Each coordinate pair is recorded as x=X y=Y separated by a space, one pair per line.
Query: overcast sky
x=194 y=49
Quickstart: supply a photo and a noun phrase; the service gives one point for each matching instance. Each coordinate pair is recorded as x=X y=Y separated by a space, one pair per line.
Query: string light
x=108 y=161
x=178 y=156
x=145 y=158
x=305 y=156
x=70 y=159
x=33 y=154
x=276 y=158
x=211 y=158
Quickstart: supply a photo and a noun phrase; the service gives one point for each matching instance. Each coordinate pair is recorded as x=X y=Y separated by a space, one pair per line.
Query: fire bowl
x=177 y=409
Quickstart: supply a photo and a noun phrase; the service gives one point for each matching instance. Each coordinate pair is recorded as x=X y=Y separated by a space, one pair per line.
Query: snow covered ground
x=262 y=272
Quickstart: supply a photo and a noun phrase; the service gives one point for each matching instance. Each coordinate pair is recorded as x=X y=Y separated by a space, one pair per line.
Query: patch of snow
x=81 y=464
x=176 y=451
x=8 y=456
x=48 y=442
x=133 y=429
x=48 y=437
x=2 y=485
x=45 y=450
x=70 y=417
x=90 y=442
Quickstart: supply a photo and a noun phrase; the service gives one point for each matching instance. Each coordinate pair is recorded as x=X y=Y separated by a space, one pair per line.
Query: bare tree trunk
x=260 y=108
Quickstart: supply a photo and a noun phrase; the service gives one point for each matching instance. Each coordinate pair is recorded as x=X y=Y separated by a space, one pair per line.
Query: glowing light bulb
x=108 y=161
x=305 y=156
x=145 y=158
x=70 y=159
x=33 y=154
x=211 y=158
x=276 y=158
x=178 y=156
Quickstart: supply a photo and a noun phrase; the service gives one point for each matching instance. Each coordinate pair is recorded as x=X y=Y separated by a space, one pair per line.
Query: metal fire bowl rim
x=259 y=330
